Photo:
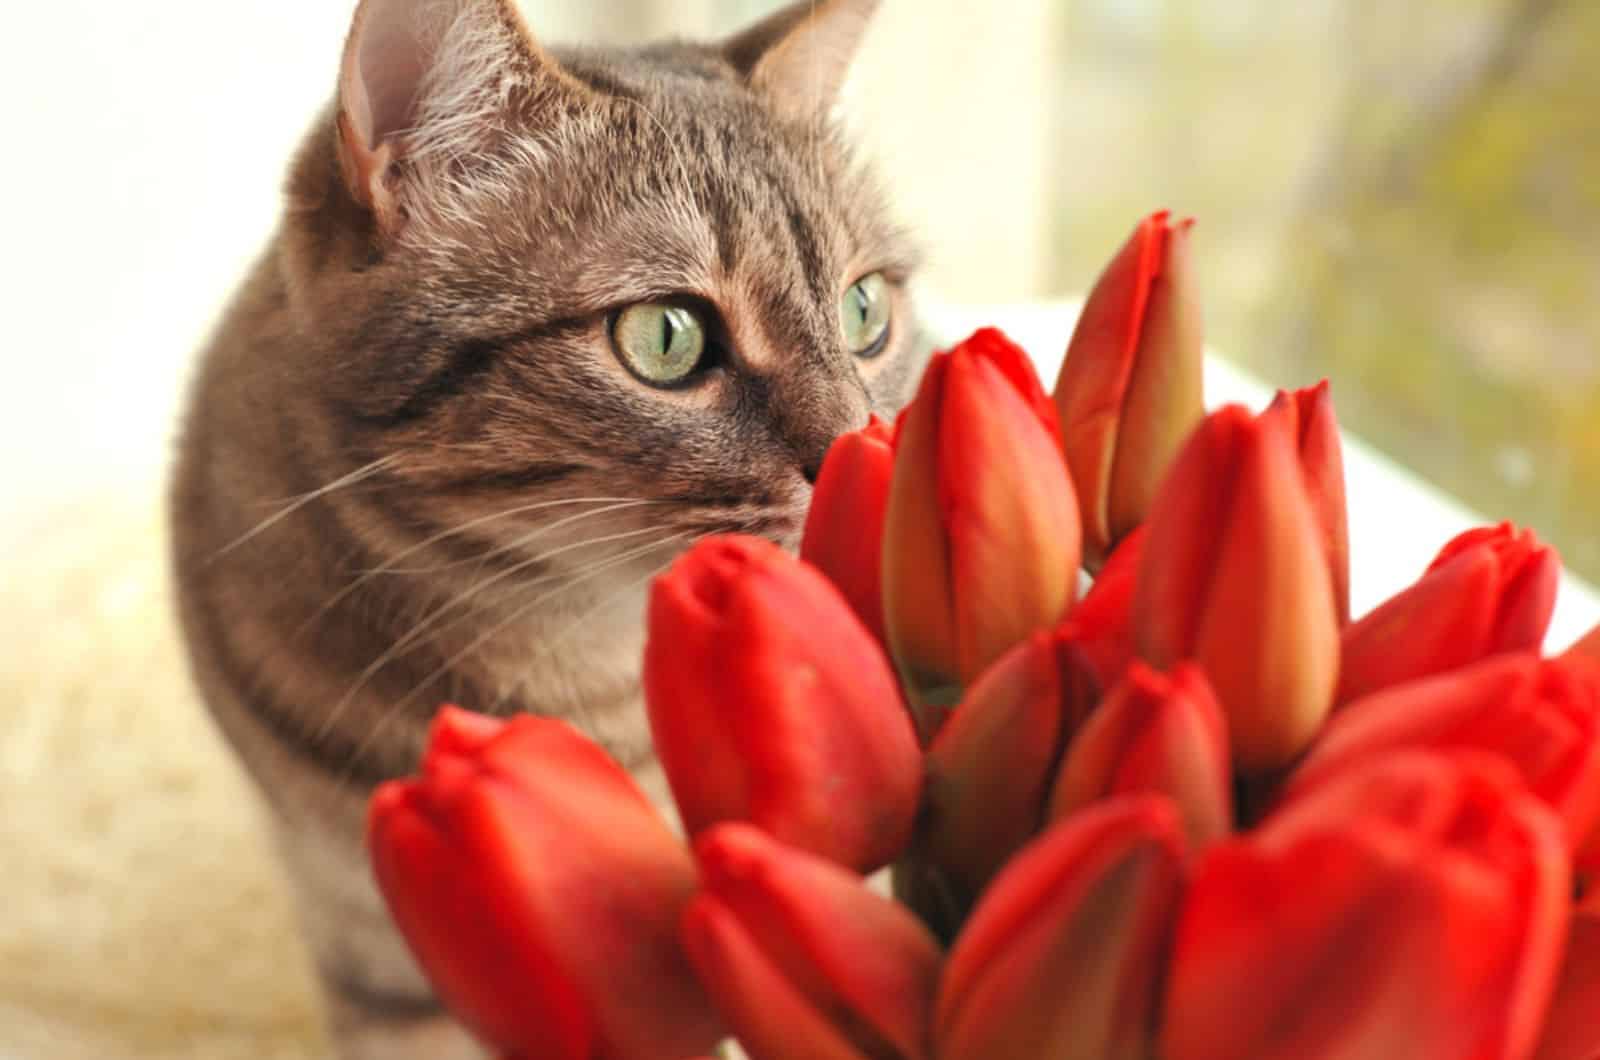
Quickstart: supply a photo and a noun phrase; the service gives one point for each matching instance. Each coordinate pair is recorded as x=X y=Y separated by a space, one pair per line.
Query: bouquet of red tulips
x=1195 y=813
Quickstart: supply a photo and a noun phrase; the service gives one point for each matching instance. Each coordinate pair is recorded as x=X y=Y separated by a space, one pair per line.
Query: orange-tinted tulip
x=1235 y=577
x=771 y=703
x=1101 y=624
x=519 y=865
x=1413 y=908
x=1129 y=391
x=981 y=543
x=844 y=526
x=1490 y=590
x=806 y=962
x=1572 y=1031
x=1064 y=955
x=1541 y=715
x=1155 y=733
x=991 y=766
x=1309 y=415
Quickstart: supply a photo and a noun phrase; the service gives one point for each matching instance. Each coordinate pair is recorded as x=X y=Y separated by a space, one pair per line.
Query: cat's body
x=433 y=454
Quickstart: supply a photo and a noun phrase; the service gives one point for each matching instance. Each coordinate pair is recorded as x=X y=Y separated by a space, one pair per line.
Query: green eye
x=864 y=315
x=661 y=344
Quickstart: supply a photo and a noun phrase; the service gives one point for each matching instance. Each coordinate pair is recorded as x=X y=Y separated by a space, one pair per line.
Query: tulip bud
x=991 y=766
x=1541 y=715
x=981 y=542
x=771 y=703
x=1311 y=422
x=1155 y=733
x=1412 y=908
x=516 y=896
x=1489 y=591
x=1101 y=623
x=1235 y=578
x=1065 y=953
x=805 y=961
x=844 y=526
x=1129 y=391
x=1572 y=1030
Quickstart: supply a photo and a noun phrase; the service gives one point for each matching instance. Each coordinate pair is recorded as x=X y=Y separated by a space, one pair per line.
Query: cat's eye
x=660 y=343
x=864 y=315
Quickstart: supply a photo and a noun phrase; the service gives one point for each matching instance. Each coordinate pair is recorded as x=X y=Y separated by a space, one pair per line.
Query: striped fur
x=414 y=472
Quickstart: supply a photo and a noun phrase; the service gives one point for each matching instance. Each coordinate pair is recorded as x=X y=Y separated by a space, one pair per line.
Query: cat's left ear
x=799 y=58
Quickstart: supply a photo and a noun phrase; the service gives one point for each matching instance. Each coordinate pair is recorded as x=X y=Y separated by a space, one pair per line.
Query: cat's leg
x=379 y=1006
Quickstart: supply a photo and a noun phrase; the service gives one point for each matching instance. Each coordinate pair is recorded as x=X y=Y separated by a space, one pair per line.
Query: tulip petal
x=1100 y=625
x=1415 y=907
x=518 y=866
x=1310 y=418
x=1588 y=647
x=1063 y=956
x=1164 y=401
x=990 y=768
x=1007 y=501
x=1154 y=733
x=919 y=611
x=860 y=960
x=1572 y=1031
x=1129 y=389
x=1235 y=577
x=771 y=703
x=1490 y=590
x=1543 y=716
x=773 y=1020
x=844 y=525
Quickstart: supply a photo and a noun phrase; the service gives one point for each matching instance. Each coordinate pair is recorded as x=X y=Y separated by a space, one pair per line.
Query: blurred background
x=1403 y=196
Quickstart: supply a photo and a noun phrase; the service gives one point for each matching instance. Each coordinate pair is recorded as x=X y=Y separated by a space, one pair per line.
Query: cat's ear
x=428 y=79
x=799 y=57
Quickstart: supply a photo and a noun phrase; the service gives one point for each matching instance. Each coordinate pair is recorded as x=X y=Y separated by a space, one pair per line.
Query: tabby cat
x=534 y=319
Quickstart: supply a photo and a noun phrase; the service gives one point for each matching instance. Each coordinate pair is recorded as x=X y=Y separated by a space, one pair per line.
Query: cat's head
x=539 y=276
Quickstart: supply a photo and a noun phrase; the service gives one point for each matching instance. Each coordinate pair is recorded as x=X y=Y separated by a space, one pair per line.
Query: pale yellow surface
x=141 y=915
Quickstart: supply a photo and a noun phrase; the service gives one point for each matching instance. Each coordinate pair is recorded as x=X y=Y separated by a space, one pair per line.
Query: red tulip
x=807 y=962
x=771 y=703
x=1572 y=1031
x=1490 y=590
x=1413 y=908
x=1129 y=391
x=1541 y=715
x=1309 y=414
x=981 y=542
x=1064 y=955
x=1235 y=578
x=1155 y=733
x=1101 y=623
x=519 y=865
x=844 y=526
x=991 y=766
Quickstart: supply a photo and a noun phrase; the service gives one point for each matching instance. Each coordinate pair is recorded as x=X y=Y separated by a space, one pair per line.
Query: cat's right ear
x=424 y=82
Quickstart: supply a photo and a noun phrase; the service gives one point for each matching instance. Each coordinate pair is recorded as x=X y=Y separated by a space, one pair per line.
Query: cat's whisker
x=417 y=631
x=499 y=550
x=294 y=505
x=516 y=615
x=572 y=627
x=365 y=576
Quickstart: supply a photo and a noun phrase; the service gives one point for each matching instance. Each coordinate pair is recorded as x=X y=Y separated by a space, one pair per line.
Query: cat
x=533 y=321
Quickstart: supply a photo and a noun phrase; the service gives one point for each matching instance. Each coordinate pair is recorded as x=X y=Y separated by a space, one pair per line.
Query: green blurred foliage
x=1405 y=198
